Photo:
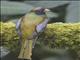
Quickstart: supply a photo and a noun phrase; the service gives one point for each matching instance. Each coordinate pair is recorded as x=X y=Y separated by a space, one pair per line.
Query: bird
x=28 y=28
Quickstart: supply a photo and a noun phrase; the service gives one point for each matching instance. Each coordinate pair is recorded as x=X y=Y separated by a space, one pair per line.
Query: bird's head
x=40 y=10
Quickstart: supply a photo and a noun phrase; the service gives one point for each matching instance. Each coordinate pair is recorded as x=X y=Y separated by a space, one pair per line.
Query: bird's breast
x=29 y=24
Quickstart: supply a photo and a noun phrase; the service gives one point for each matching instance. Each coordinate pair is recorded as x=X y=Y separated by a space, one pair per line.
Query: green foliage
x=63 y=35
x=8 y=35
x=57 y=35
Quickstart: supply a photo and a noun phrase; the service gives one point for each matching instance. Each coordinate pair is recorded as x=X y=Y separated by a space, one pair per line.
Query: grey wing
x=18 y=31
x=40 y=27
x=18 y=27
x=18 y=24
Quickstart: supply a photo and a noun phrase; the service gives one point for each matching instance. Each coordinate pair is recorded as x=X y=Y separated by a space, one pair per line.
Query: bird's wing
x=18 y=30
x=18 y=26
x=40 y=27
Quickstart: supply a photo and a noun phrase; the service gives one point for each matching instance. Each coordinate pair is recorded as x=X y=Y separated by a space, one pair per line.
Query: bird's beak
x=46 y=10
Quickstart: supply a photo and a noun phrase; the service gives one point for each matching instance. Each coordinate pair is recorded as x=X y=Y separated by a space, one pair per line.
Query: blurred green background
x=67 y=11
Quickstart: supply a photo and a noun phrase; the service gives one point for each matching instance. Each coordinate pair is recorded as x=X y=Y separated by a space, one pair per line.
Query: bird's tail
x=26 y=49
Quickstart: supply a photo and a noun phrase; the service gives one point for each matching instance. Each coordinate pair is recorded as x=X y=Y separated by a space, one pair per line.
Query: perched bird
x=28 y=29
